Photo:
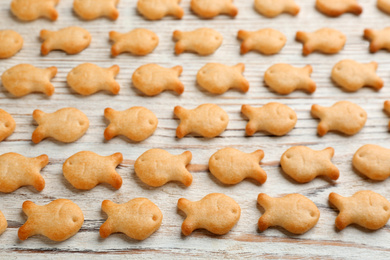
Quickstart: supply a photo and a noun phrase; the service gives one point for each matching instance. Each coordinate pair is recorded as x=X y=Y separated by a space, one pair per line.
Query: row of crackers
x=29 y=10
x=216 y=78
x=203 y=41
x=207 y=120
x=156 y=167
x=218 y=213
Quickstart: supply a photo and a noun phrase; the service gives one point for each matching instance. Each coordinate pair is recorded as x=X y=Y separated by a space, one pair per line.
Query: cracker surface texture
x=216 y=213
x=352 y=75
x=207 y=120
x=139 y=218
x=65 y=125
x=7 y=124
x=384 y=5
x=138 y=42
x=158 y=9
x=203 y=41
x=58 y=220
x=344 y=116
x=274 y=118
x=266 y=41
x=372 y=161
x=85 y=170
x=136 y=123
x=152 y=79
x=303 y=164
x=284 y=78
x=30 y=10
x=294 y=212
x=273 y=8
x=156 y=167
x=93 y=9
x=379 y=39
x=365 y=208
x=231 y=166
x=87 y=79
x=387 y=108
x=212 y=8
x=218 y=78
x=24 y=79
x=325 y=40
x=11 y=43
x=17 y=171
x=336 y=8
x=71 y=40
x=3 y=223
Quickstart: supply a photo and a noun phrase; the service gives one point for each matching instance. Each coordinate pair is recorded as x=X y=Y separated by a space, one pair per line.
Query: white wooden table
x=244 y=240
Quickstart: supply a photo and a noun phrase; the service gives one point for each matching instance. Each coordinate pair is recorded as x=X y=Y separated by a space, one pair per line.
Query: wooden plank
x=322 y=242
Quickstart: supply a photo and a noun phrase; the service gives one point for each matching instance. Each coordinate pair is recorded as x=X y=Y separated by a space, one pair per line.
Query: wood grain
x=244 y=241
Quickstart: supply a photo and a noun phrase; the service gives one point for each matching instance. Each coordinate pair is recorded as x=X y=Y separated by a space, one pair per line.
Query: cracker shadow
x=55 y=142
x=75 y=15
x=122 y=236
x=35 y=94
x=197 y=232
x=332 y=132
x=193 y=135
x=17 y=20
x=42 y=239
x=302 y=91
x=364 y=177
x=145 y=186
x=257 y=133
x=348 y=91
x=353 y=225
x=79 y=96
x=214 y=95
x=167 y=17
x=71 y=188
x=121 y=137
x=290 y=179
x=280 y=229
x=141 y=94
x=223 y=185
x=387 y=114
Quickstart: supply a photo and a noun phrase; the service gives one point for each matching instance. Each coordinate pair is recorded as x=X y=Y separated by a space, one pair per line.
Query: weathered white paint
x=324 y=241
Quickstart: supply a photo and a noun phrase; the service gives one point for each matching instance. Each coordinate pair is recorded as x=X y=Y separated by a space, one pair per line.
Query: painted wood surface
x=244 y=240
